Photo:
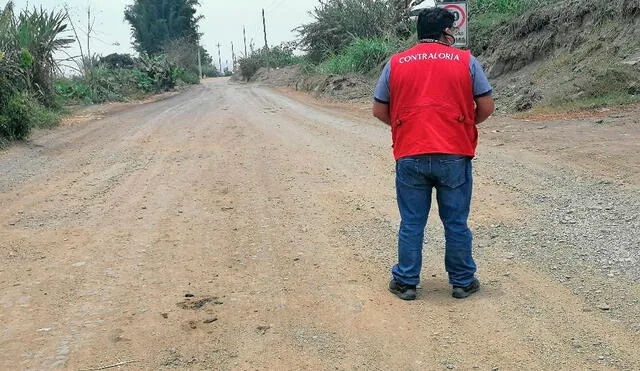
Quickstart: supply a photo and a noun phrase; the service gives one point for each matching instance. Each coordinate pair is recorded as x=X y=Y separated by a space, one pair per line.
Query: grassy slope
x=562 y=55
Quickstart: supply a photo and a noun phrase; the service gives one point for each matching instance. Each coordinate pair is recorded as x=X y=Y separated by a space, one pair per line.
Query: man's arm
x=484 y=108
x=381 y=112
x=382 y=96
x=481 y=92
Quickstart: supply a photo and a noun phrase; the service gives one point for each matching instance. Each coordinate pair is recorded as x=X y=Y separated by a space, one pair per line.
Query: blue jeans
x=450 y=175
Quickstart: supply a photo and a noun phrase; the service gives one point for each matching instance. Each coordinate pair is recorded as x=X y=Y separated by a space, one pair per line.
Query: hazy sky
x=222 y=23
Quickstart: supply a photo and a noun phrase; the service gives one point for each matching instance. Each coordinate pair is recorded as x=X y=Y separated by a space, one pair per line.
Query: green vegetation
x=486 y=16
x=580 y=43
x=346 y=36
x=32 y=92
x=276 y=57
x=564 y=103
x=155 y=23
x=361 y=56
x=28 y=41
x=22 y=113
x=354 y=36
x=349 y=36
x=507 y=7
x=109 y=82
x=579 y=54
x=575 y=49
x=338 y=22
x=169 y=28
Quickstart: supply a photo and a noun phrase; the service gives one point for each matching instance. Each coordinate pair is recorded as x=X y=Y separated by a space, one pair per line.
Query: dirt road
x=234 y=227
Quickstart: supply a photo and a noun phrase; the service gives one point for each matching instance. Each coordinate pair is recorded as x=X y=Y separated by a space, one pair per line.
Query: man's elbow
x=377 y=114
x=374 y=112
x=485 y=107
x=381 y=112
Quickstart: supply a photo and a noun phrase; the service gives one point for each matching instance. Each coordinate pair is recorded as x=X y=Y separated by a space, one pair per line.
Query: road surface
x=236 y=227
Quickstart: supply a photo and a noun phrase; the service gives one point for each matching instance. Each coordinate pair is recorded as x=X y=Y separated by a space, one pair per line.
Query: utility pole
x=89 y=30
x=88 y=62
x=233 y=55
x=264 y=27
x=199 y=62
x=89 y=33
x=219 y=58
x=266 y=46
x=244 y=35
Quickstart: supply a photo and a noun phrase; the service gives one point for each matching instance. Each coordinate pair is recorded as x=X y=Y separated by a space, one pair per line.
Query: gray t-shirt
x=481 y=85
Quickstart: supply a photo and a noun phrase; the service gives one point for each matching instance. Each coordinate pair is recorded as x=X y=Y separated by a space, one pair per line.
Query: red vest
x=432 y=107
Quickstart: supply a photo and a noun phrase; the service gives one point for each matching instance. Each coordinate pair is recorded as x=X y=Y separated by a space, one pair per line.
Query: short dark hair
x=433 y=21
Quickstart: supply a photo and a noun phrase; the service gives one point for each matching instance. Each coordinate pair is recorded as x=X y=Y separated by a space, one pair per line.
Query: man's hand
x=484 y=108
x=381 y=112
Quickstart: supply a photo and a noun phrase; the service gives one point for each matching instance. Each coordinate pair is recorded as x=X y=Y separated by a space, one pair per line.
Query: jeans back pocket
x=453 y=171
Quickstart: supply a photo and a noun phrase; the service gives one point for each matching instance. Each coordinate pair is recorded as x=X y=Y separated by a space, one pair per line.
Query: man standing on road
x=433 y=96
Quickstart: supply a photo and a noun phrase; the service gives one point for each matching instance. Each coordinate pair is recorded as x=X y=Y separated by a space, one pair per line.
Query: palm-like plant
x=28 y=43
x=40 y=33
x=9 y=72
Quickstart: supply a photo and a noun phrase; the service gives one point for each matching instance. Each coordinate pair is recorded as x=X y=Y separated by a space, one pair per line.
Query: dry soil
x=237 y=227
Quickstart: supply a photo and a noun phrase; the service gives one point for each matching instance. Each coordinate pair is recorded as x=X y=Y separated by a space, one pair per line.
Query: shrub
x=143 y=81
x=73 y=91
x=18 y=117
x=160 y=70
x=281 y=55
x=22 y=113
x=183 y=53
x=45 y=118
x=104 y=83
x=337 y=22
x=276 y=57
x=38 y=35
x=187 y=76
x=250 y=65
x=361 y=56
x=209 y=71
x=116 y=60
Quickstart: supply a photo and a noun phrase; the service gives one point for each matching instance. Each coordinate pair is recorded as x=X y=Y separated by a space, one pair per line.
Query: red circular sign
x=463 y=17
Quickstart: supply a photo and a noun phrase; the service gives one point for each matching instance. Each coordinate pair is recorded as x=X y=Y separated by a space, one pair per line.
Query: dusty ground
x=234 y=227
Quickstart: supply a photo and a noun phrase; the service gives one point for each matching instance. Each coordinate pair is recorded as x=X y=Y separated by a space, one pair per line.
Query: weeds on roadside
x=28 y=41
x=21 y=114
x=276 y=57
x=361 y=56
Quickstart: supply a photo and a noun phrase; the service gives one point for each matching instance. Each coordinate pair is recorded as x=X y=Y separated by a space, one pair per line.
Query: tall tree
x=154 y=23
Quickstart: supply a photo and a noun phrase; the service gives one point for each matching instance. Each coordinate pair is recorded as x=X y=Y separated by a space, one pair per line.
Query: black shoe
x=460 y=292
x=404 y=292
